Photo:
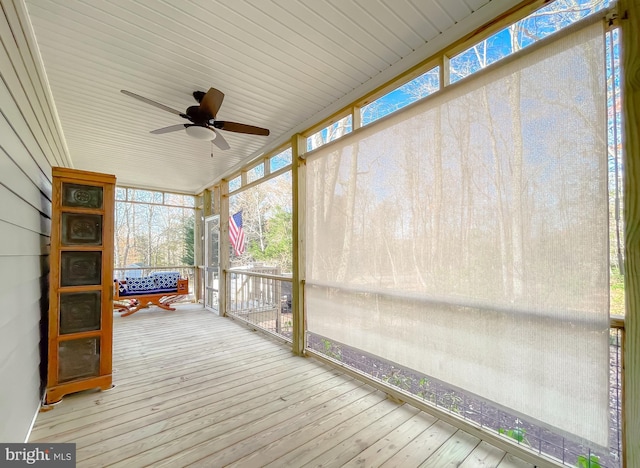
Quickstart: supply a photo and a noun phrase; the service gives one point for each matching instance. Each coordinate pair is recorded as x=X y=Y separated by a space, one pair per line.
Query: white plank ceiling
x=282 y=64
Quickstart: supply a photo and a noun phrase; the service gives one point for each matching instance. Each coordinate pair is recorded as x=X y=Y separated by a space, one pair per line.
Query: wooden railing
x=261 y=296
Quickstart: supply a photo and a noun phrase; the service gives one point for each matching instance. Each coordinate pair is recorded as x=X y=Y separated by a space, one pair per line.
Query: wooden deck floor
x=196 y=389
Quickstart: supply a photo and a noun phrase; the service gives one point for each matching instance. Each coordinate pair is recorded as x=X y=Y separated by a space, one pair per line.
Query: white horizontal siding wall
x=29 y=145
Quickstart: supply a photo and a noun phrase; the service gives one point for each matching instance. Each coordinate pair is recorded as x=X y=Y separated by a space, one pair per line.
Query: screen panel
x=466 y=237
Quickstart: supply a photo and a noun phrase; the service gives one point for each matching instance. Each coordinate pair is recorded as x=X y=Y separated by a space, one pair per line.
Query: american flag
x=236 y=233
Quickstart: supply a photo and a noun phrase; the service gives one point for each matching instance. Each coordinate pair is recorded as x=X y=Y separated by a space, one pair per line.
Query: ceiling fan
x=204 y=125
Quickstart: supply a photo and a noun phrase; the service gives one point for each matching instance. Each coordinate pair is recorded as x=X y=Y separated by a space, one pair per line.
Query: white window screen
x=466 y=237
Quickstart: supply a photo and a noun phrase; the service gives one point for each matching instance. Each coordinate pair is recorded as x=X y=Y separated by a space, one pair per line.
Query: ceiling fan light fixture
x=201 y=133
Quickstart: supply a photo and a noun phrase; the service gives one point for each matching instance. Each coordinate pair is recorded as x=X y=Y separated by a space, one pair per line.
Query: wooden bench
x=160 y=289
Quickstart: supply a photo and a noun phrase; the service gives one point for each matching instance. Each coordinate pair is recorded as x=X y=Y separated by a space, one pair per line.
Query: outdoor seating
x=159 y=288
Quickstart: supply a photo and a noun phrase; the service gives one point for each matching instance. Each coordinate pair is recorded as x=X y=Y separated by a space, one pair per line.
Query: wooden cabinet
x=80 y=283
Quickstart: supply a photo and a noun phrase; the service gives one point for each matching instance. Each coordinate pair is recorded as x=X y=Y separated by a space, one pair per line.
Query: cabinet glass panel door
x=81 y=229
x=80 y=268
x=80 y=312
x=82 y=196
x=78 y=359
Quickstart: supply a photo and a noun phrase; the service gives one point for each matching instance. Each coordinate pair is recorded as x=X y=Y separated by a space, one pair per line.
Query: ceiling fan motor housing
x=198 y=115
x=199 y=95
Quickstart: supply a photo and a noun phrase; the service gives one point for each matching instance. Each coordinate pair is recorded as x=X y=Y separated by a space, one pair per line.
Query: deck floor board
x=192 y=388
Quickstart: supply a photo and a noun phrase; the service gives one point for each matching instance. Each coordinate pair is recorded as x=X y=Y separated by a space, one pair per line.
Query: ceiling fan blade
x=153 y=103
x=240 y=128
x=212 y=101
x=219 y=141
x=171 y=128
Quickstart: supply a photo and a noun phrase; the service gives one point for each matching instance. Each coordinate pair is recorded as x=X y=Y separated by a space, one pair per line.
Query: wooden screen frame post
x=298 y=177
x=629 y=11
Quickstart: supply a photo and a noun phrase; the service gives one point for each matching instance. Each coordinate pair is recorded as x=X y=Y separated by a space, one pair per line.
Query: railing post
x=278 y=304
x=277 y=300
x=298 y=147
x=629 y=11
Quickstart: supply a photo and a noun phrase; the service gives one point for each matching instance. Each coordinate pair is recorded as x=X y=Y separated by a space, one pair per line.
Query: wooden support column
x=202 y=211
x=629 y=11
x=198 y=249
x=267 y=166
x=206 y=203
x=298 y=145
x=444 y=72
x=225 y=245
x=356 y=117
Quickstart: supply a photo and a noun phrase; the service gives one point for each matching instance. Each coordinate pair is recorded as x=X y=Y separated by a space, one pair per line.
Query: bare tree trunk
x=352 y=187
x=466 y=199
x=516 y=185
x=125 y=257
x=516 y=176
x=499 y=185
x=436 y=209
